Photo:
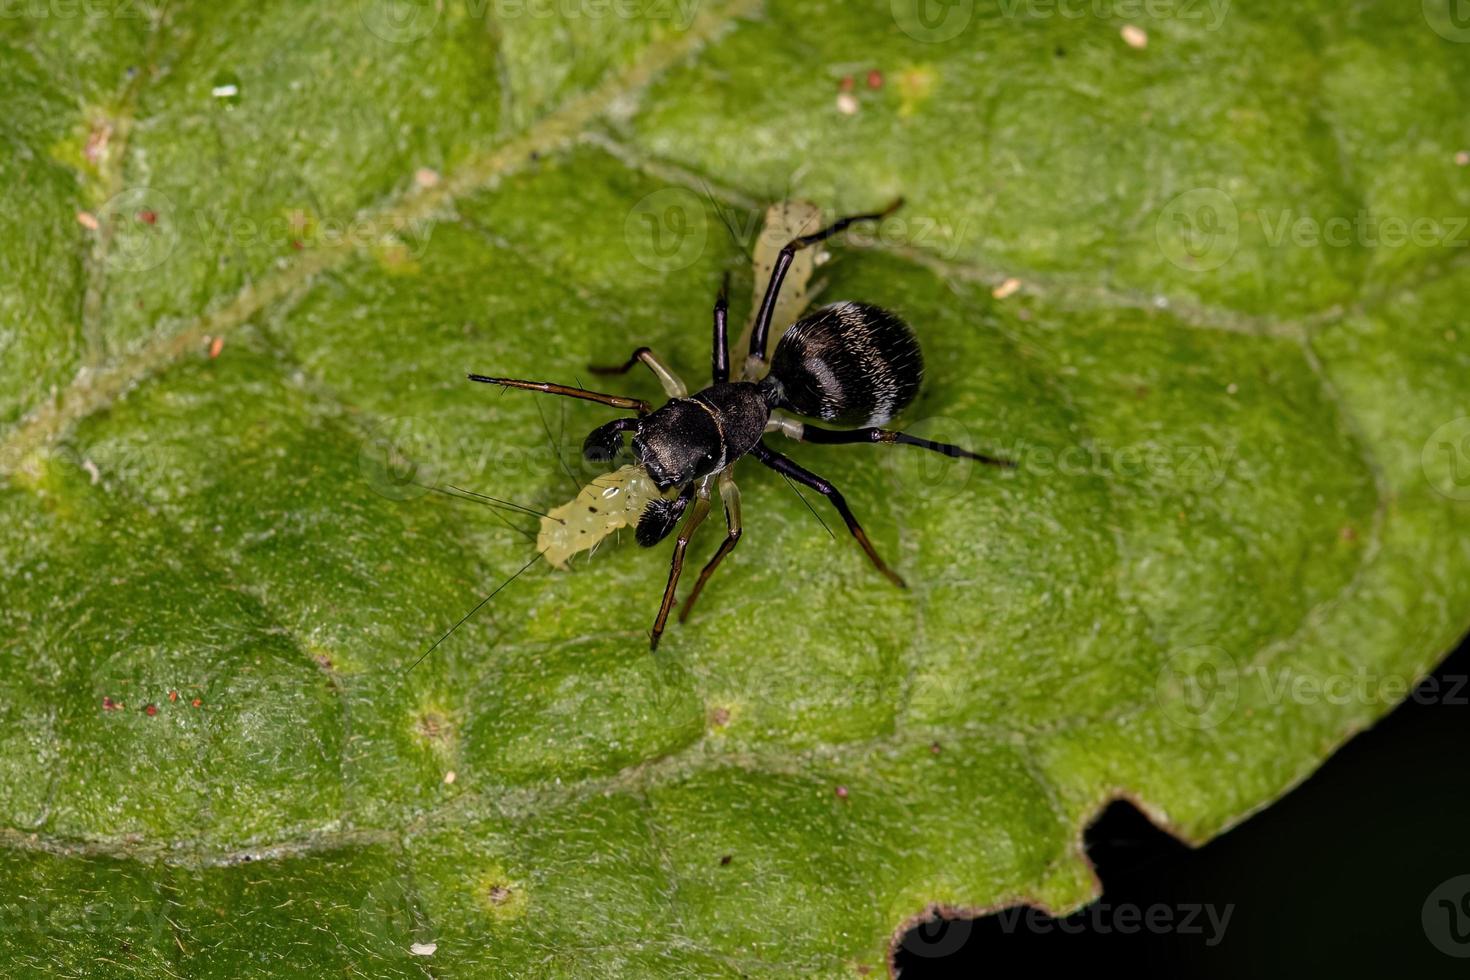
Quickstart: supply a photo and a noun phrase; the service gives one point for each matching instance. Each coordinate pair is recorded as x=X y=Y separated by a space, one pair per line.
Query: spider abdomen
x=847 y=363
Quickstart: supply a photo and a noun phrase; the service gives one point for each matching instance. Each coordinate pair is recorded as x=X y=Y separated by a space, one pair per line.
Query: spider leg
x=806 y=432
x=546 y=387
x=673 y=385
x=789 y=467
x=720 y=358
x=730 y=498
x=761 y=331
x=697 y=512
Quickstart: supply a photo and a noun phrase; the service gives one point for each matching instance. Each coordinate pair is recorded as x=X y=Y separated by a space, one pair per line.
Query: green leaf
x=249 y=252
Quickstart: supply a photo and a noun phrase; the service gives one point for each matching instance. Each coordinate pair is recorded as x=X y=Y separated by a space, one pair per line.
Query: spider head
x=679 y=443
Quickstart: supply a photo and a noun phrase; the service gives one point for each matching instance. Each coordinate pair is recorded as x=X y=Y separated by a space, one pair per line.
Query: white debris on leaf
x=847 y=103
x=1134 y=36
x=1006 y=289
x=423 y=949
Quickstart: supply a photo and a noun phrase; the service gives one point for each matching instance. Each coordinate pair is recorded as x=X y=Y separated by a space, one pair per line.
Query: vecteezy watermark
x=938 y=935
x=1102 y=918
x=1446 y=917
x=406 y=21
x=75 y=9
x=128 y=917
x=1198 y=687
x=142 y=229
x=1199 y=230
x=403 y=458
x=399 y=460
x=1450 y=19
x=1358 y=687
x=299 y=228
x=937 y=21
x=666 y=230
x=400 y=21
x=933 y=476
x=932 y=21
x=387 y=913
x=1445 y=459
x=1198 y=467
x=680 y=13
x=1209 y=13
x=1362 y=230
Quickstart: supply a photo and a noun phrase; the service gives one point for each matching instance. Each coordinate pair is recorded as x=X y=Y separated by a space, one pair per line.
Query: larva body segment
x=611 y=501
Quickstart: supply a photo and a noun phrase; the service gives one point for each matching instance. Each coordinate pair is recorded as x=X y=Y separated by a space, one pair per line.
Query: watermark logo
x=75 y=9
x=932 y=21
x=1209 y=14
x=1445 y=459
x=399 y=21
x=1362 y=230
x=387 y=912
x=1450 y=19
x=1197 y=688
x=143 y=229
x=1199 y=230
x=1205 y=920
x=937 y=936
x=1446 y=917
x=934 y=476
x=399 y=459
x=666 y=230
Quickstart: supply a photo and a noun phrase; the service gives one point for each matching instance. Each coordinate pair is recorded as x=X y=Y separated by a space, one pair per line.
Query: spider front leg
x=567 y=391
x=730 y=498
x=789 y=467
x=697 y=512
x=673 y=385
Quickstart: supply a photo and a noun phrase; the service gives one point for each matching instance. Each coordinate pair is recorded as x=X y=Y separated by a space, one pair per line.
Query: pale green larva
x=611 y=501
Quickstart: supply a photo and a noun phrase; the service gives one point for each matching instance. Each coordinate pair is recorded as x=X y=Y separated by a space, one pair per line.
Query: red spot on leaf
x=875 y=79
x=150 y=710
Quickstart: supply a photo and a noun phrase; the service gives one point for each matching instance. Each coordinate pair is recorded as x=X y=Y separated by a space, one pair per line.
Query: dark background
x=1331 y=880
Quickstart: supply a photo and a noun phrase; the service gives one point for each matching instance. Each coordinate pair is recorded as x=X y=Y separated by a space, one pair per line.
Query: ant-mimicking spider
x=847 y=363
